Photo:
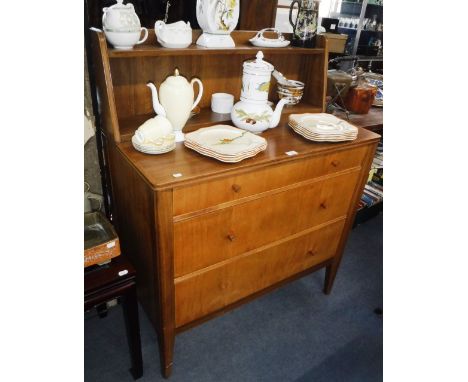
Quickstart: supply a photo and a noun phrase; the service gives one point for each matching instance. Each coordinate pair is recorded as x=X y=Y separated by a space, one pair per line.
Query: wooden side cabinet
x=218 y=234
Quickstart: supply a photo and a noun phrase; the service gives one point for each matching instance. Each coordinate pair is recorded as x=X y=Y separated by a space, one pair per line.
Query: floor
x=295 y=334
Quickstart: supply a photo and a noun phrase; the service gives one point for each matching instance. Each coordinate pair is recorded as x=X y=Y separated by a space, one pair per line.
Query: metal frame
x=359 y=28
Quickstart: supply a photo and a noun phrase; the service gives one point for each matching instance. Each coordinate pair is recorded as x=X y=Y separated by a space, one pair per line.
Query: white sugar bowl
x=120 y=18
x=175 y=35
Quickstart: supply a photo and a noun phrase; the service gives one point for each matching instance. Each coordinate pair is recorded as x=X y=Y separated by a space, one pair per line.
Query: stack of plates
x=164 y=145
x=225 y=143
x=322 y=127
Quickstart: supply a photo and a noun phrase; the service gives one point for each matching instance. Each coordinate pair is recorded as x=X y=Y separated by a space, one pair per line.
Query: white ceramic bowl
x=126 y=40
x=292 y=92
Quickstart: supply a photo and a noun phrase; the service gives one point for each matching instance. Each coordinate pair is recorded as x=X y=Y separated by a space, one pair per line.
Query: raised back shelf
x=152 y=48
x=194 y=50
x=128 y=102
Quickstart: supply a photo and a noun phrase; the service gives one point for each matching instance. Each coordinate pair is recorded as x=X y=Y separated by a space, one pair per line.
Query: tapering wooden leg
x=132 y=325
x=166 y=351
x=330 y=273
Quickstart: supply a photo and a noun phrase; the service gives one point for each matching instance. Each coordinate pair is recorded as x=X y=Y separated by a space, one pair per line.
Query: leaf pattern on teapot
x=253 y=118
x=264 y=86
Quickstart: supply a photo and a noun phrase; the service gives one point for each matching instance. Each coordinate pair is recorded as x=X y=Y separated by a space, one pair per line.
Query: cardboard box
x=336 y=42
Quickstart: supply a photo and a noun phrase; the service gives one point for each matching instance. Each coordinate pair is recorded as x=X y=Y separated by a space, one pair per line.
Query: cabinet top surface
x=159 y=170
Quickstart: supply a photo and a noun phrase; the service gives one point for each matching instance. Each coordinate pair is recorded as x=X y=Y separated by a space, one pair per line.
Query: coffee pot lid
x=176 y=79
x=258 y=64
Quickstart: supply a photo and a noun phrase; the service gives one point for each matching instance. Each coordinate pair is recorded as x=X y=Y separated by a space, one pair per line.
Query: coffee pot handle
x=293 y=24
x=200 y=91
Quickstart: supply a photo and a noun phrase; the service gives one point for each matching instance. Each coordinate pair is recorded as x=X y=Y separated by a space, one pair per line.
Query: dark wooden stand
x=103 y=283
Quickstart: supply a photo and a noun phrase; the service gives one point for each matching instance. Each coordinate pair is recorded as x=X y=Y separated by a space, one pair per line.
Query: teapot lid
x=258 y=64
x=119 y=5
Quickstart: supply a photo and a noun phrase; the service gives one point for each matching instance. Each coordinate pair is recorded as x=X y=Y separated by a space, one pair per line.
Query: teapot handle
x=143 y=39
x=200 y=91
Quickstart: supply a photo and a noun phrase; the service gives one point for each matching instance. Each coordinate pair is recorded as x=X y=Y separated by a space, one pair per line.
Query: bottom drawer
x=207 y=291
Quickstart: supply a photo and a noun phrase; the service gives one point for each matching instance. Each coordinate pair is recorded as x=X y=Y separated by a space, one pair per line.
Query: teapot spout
x=275 y=118
x=158 y=108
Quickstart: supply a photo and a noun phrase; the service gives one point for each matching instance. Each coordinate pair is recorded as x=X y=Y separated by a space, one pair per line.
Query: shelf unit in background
x=372 y=121
x=359 y=38
x=368 y=209
x=371 y=203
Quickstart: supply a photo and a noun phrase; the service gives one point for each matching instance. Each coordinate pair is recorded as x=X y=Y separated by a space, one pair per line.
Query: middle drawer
x=208 y=239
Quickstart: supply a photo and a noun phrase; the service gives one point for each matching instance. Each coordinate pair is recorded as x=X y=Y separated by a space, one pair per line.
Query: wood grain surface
x=205 y=292
x=158 y=170
x=257 y=14
x=241 y=38
x=199 y=196
x=213 y=237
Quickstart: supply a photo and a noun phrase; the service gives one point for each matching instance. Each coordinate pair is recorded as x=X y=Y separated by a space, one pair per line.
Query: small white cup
x=222 y=103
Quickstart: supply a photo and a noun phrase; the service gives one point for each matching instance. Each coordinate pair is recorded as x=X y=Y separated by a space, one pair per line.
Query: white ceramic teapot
x=122 y=27
x=175 y=35
x=120 y=18
x=176 y=101
x=252 y=112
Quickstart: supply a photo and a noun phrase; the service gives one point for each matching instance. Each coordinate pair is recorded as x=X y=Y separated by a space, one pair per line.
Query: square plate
x=225 y=140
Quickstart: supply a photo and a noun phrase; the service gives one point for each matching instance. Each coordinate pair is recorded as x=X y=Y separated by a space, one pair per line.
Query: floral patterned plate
x=224 y=141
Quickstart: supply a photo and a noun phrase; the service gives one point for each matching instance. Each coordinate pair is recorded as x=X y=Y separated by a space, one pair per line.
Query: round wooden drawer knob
x=236 y=187
x=311 y=253
x=231 y=237
x=323 y=205
x=223 y=285
x=335 y=163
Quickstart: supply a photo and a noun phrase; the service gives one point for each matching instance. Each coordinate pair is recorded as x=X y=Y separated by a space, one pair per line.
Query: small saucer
x=264 y=42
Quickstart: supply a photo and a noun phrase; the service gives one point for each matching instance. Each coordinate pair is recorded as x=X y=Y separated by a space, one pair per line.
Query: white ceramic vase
x=217 y=18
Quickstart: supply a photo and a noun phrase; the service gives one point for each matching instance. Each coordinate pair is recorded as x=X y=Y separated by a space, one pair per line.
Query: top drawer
x=208 y=194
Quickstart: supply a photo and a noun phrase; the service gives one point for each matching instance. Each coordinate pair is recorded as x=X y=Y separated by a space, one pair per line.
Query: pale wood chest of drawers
x=221 y=234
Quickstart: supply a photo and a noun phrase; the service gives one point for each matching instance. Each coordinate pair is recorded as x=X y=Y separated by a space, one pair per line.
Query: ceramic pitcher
x=305 y=25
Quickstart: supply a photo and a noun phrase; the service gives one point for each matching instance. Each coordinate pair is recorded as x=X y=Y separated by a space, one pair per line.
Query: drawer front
x=210 y=238
x=207 y=292
x=209 y=194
